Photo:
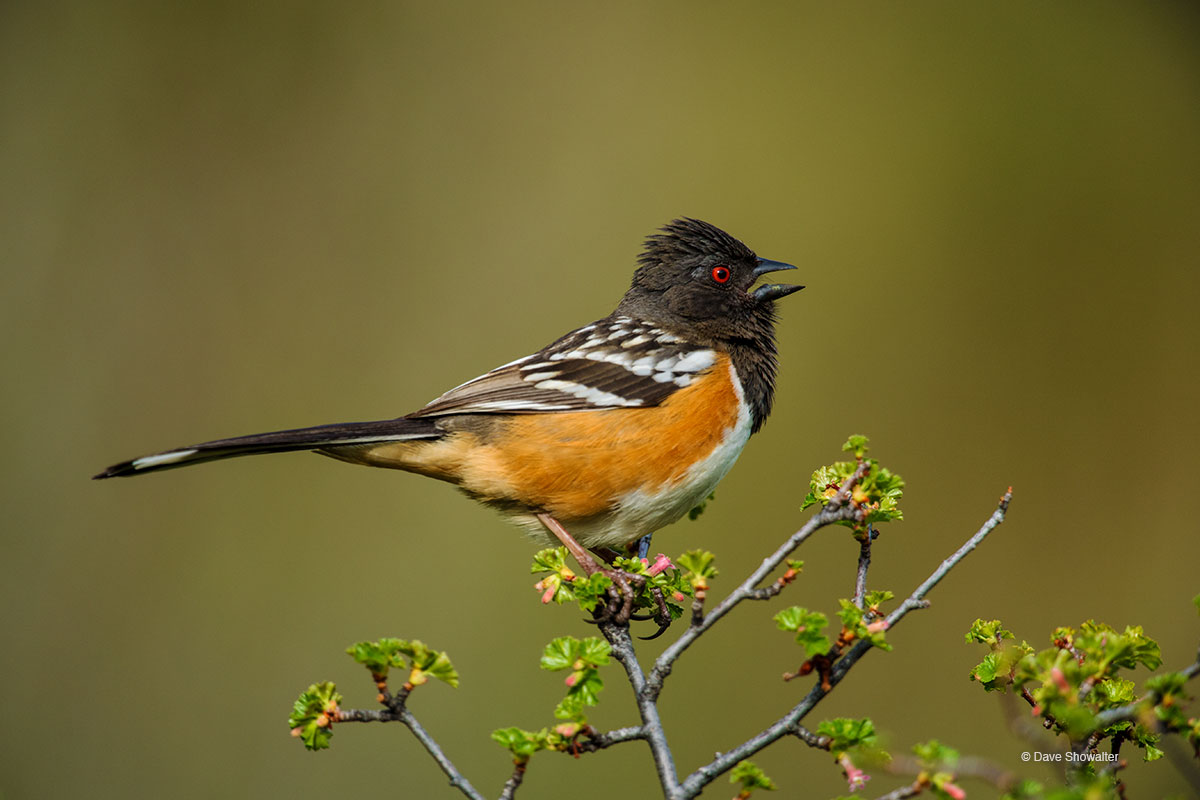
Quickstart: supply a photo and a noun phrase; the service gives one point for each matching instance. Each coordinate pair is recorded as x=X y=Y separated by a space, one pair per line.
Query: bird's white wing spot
x=696 y=361
x=591 y=394
x=175 y=456
x=517 y=405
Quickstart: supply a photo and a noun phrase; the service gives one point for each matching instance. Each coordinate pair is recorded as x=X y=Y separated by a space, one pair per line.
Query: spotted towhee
x=605 y=435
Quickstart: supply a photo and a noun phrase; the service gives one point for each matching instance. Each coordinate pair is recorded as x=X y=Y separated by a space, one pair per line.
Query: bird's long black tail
x=315 y=438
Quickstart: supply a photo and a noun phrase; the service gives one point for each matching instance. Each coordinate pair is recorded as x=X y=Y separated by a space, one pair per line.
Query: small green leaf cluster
x=996 y=669
x=1080 y=677
x=557 y=585
x=808 y=626
x=423 y=662
x=1169 y=702
x=750 y=776
x=861 y=623
x=878 y=492
x=313 y=715
x=857 y=623
x=847 y=734
x=583 y=657
x=697 y=565
x=315 y=711
x=523 y=744
x=990 y=633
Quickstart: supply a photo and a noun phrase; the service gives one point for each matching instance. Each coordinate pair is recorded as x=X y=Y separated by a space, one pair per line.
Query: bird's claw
x=662 y=615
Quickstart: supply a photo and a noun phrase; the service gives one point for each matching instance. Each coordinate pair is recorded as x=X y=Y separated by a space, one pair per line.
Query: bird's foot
x=622 y=593
x=661 y=615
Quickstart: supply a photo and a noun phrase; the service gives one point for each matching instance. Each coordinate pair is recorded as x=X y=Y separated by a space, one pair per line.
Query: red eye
x=720 y=274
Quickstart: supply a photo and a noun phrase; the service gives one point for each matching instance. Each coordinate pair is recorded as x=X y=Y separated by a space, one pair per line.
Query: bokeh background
x=219 y=218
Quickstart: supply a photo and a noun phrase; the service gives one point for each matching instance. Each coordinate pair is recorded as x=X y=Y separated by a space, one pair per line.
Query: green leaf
x=567 y=651
x=986 y=671
x=990 y=633
x=425 y=661
x=313 y=715
x=878 y=492
x=875 y=599
x=751 y=777
x=442 y=670
x=854 y=619
x=698 y=562
x=591 y=591
x=846 y=733
x=857 y=444
x=522 y=744
x=379 y=656
x=1113 y=692
x=552 y=559
x=584 y=691
x=594 y=651
x=560 y=653
x=582 y=657
x=808 y=626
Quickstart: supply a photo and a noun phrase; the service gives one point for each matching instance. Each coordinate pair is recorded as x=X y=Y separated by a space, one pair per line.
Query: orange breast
x=577 y=464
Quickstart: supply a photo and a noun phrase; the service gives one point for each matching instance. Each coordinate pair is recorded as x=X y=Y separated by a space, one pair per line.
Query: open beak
x=772 y=291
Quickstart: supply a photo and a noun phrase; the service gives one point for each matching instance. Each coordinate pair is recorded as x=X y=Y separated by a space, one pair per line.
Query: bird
x=603 y=436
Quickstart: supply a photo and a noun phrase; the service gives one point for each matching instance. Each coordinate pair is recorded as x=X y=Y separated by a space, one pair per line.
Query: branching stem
x=837 y=509
x=694 y=783
x=652 y=729
x=864 y=563
x=647 y=687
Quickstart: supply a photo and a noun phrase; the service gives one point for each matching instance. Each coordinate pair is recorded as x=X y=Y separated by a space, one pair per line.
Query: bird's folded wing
x=618 y=363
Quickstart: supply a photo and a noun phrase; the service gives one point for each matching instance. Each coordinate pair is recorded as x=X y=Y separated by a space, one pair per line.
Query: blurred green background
x=220 y=218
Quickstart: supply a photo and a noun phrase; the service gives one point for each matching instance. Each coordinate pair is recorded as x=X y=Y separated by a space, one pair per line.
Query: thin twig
x=864 y=562
x=400 y=713
x=912 y=790
x=457 y=780
x=811 y=739
x=1046 y=717
x=837 y=509
x=514 y=780
x=600 y=741
x=694 y=783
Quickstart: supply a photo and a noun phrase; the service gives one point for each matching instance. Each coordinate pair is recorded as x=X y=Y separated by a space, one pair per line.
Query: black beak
x=772 y=291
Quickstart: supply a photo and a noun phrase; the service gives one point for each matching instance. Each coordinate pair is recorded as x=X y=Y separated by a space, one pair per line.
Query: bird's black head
x=697 y=275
